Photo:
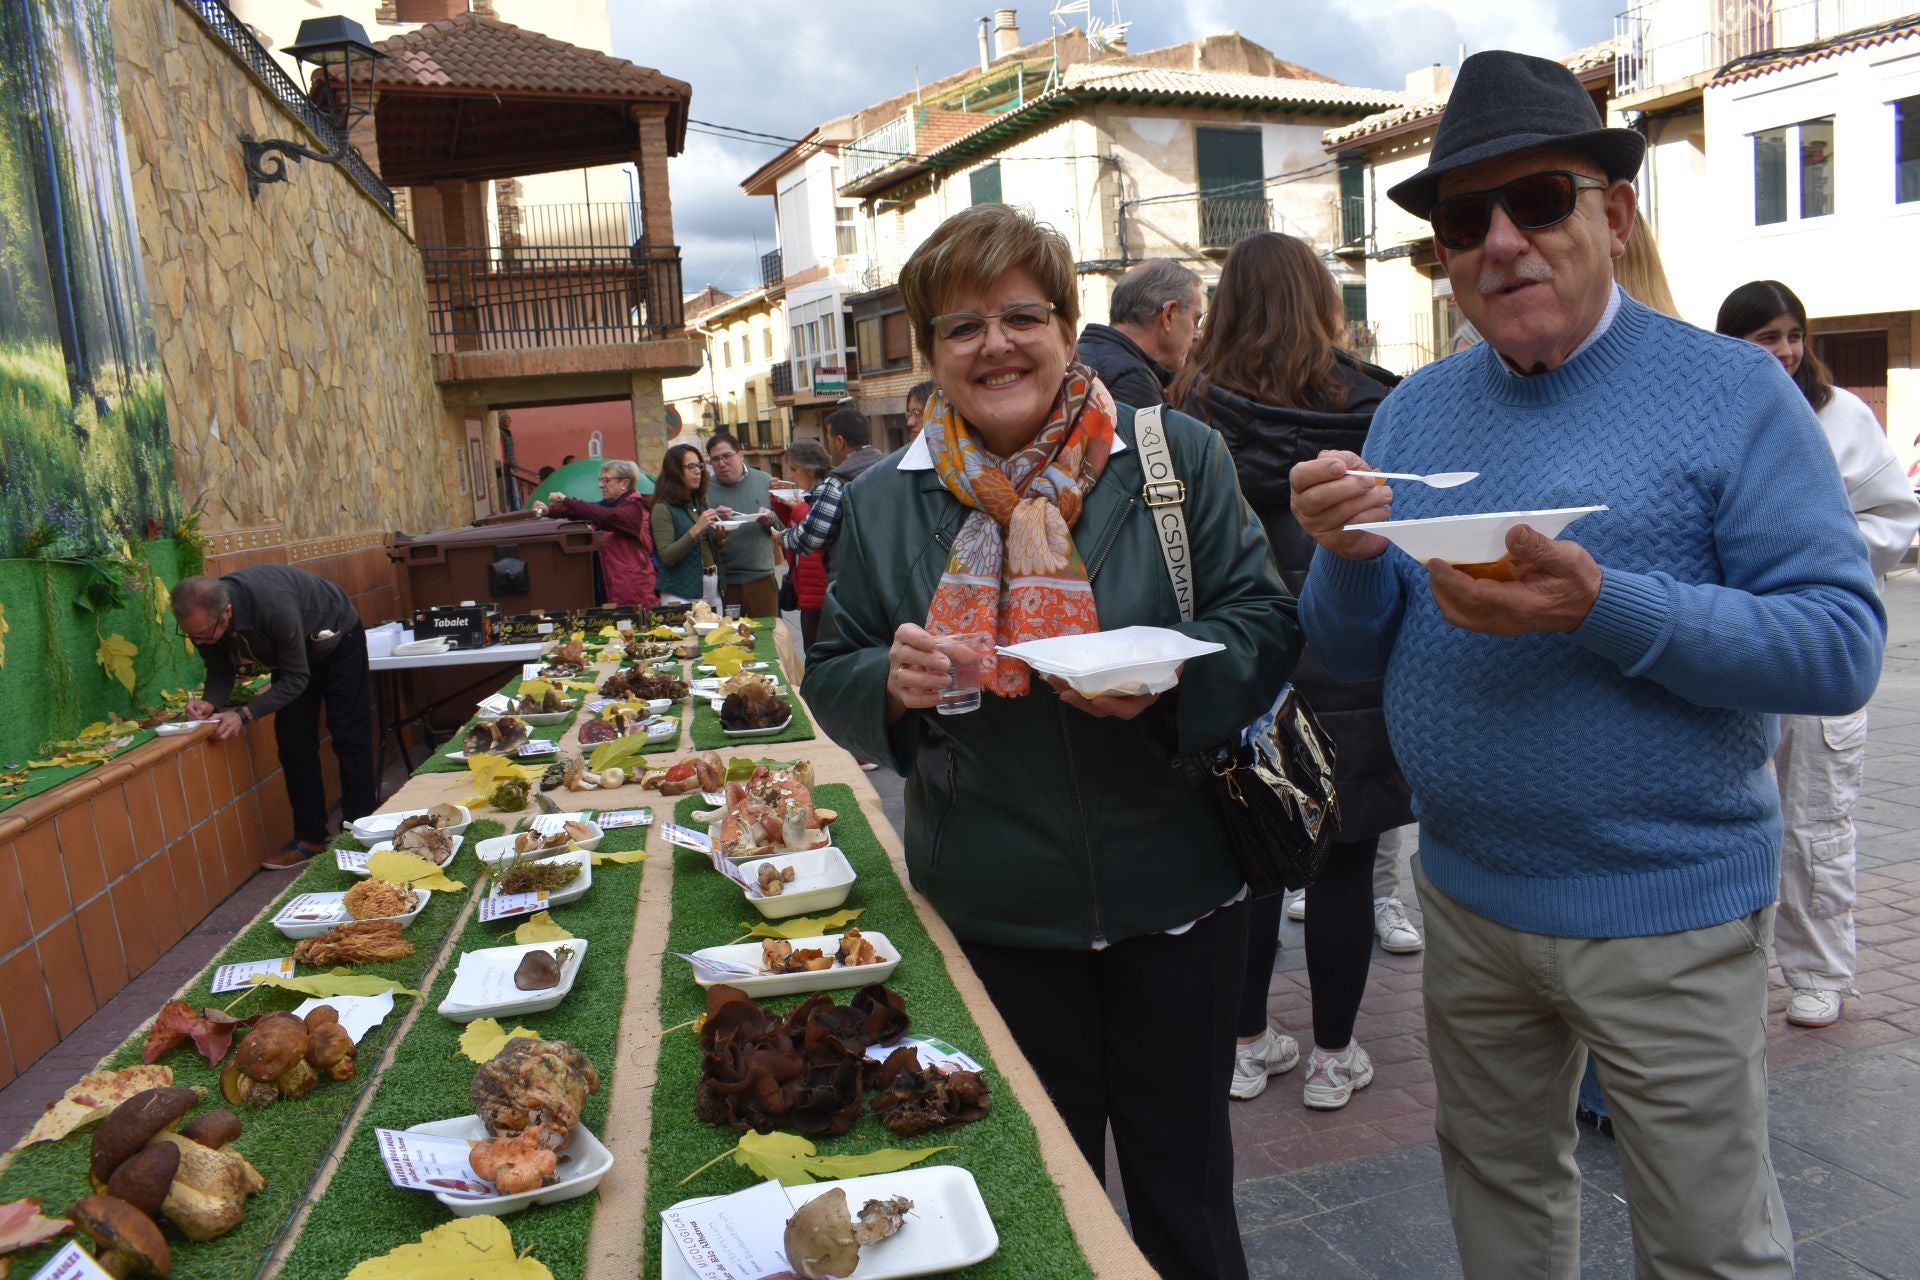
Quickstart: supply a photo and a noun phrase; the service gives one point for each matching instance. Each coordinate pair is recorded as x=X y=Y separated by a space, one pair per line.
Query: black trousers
x=1339 y=946
x=1140 y=1035
x=340 y=682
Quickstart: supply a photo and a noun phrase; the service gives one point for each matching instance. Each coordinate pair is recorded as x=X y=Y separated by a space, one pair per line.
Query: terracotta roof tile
x=1580 y=61
x=472 y=51
x=1788 y=59
x=1171 y=82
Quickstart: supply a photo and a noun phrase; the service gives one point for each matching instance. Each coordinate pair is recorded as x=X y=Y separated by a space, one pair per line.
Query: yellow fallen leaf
x=483 y=1039
x=398 y=867
x=536 y=688
x=795 y=1162
x=476 y=1248
x=619 y=859
x=188 y=645
x=801 y=926
x=162 y=601
x=540 y=928
x=727 y=663
x=5 y=627
x=116 y=654
x=91 y=1098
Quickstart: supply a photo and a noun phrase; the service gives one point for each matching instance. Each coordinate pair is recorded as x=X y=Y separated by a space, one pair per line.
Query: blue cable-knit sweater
x=1613 y=782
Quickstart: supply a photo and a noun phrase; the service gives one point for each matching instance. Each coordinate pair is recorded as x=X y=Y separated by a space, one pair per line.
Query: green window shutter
x=985 y=182
x=1353 y=303
x=1233 y=198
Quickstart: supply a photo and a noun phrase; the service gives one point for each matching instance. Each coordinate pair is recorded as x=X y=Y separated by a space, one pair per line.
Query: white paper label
x=726 y=867
x=931 y=1050
x=358 y=1014
x=543 y=628
x=496 y=704
x=714 y=797
x=538 y=747
x=736 y=1237
x=313 y=908
x=625 y=624
x=614 y=819
x=352 y=859
x=594 y=705
x=428 y=1162
x=71 y=1263
x=502 y=905
x=552 y=824
x=718 y=970
x=663 y=728
x=686 y=837
x=531 y=670
x=484 y=979
x=238 y=977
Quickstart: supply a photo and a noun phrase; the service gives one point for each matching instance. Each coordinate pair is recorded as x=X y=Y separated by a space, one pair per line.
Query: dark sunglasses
x=1535 y=202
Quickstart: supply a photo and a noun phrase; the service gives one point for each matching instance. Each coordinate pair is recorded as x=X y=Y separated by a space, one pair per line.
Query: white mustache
x=1527 y=270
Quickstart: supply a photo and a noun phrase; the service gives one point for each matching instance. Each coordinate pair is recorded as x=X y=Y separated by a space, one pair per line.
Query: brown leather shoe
x=292 y=856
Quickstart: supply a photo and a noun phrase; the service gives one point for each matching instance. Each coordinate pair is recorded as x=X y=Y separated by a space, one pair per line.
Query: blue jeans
x=1590 y=1096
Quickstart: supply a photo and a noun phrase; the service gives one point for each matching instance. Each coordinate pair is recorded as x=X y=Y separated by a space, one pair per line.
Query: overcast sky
x=784 y=67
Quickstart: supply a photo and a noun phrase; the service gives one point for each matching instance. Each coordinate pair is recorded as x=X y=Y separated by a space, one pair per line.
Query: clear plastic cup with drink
x=967 y=652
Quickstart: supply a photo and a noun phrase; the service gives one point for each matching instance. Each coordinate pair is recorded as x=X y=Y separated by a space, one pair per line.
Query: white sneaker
x=1297 y=905
x=1395 y=931
x=1271 y=1055
x=1332 y=1077
x=1810 y=1008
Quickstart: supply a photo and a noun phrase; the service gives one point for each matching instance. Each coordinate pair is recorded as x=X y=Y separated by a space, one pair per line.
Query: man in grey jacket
x=305 y=631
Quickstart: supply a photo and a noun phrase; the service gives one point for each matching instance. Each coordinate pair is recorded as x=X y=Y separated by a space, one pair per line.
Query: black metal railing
x=235 y=35
x=1353 y=219
x=479 y=300
x=783 y=379
x=770 y=271
x=1227 y=220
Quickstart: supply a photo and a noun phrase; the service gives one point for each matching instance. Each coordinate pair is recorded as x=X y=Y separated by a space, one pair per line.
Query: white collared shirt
x=1606 y=320
x=919 y=457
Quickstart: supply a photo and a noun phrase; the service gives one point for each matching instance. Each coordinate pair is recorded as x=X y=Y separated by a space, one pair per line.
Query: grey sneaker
x=1271 y=1055
x=1297 y=905
x=1807 y=1007
x=1332 y=1077
x=1395 y=931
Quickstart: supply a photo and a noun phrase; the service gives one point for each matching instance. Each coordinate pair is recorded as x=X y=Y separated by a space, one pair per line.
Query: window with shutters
x=1233 y=199
x=985 y=183
x=1906 y=150
x=897 y=342
x=1353 y=199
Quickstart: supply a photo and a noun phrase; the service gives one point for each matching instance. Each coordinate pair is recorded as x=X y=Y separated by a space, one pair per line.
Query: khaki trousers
x=1820 y=764
x=1676 y=1027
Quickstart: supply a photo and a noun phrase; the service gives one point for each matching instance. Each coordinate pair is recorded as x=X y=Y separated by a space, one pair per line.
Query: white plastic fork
x=1439 y=480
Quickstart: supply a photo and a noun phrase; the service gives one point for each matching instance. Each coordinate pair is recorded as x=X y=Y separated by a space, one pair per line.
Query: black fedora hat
x=1506 y=102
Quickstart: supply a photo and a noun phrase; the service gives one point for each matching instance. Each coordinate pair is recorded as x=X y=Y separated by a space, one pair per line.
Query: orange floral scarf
x=1014 y=572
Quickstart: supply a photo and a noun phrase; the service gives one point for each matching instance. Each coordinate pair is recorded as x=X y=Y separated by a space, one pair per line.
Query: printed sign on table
x=736 y=1237
x=238 y=977
x=614 y=819
x=503 y=905
x=428 y=1162
x=71 y=1263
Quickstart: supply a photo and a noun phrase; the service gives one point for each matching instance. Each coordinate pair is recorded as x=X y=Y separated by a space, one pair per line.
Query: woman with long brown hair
x=1271 y=376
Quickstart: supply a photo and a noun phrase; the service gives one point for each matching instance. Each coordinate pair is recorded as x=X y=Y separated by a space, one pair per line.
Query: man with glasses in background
x=741 y=492
x=1155 y=320
x=1587 y=724
x=305 y=631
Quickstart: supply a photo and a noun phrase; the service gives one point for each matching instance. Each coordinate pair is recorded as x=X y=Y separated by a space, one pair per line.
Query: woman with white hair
x=624 y=516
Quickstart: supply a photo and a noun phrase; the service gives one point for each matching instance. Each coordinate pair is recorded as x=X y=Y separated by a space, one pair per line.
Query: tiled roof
x=472 y=51
x=1169 y=82
x=1580 y=62
x=1789 y=59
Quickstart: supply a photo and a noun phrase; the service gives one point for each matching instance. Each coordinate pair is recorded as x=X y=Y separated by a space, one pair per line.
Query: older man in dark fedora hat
x=1587 y=721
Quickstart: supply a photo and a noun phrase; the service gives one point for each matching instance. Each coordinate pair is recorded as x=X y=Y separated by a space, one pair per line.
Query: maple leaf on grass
x=22 y=1226
x=541 y=928
x=397 y=867
x=483 y=1039
x=116 y=654
x=211 y=1031
x=476 y=1248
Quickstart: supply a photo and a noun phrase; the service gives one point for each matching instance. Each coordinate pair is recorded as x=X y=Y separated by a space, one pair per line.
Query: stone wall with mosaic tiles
x=292 y=328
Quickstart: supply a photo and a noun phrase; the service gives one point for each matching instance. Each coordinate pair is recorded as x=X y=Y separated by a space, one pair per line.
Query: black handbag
x=1274 y=787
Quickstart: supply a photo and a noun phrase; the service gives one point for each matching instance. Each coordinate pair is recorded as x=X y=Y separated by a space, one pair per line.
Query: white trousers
x=1819 y=765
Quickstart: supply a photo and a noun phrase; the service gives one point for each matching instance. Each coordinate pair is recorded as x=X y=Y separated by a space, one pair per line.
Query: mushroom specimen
x=536 y=1088
x=822 y=1241
x=193 y=1178
x=126 y=1242
x=802 y=1072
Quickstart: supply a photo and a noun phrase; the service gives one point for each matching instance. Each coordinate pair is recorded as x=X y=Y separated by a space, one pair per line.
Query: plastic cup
x=967 y=651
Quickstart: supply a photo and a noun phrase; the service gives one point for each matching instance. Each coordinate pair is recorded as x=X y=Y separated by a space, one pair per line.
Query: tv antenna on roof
x=1102 y=35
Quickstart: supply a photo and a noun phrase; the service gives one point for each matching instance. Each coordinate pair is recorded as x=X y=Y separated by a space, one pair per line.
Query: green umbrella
x=579 y=479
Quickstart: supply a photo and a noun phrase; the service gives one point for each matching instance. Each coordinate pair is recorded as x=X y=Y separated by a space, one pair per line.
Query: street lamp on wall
x=338 y=48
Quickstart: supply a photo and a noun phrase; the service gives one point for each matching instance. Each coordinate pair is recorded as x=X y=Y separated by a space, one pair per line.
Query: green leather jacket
x=1030 y=823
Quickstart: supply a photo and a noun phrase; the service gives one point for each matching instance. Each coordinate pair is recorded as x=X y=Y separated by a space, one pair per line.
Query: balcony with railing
x=771 y=272
x=1353 y=220
x=1227 y=220
x=875 y=149
x=1663 y=43
x=783 y=381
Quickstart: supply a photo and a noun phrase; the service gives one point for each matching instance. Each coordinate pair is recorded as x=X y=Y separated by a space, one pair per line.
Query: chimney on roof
x=1006 y=32
x=1430 y=82
x=986 y=49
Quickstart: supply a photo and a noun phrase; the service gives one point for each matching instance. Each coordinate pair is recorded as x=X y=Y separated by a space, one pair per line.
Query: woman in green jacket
x=683 y=533
x=1088 y=880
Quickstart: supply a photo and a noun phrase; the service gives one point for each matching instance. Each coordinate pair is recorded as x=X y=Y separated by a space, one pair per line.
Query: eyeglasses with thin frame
x=213 y=633
x=1534 y=201
x=965 y=328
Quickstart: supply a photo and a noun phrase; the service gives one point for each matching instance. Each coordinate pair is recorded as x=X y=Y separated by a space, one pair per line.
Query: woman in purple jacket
x=626 y=553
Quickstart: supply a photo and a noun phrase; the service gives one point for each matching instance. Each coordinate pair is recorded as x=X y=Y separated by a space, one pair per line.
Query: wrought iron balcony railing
x=1226 y=220
x=481 y=300
x=770 y=271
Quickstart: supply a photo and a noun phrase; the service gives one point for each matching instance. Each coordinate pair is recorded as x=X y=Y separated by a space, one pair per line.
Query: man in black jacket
x=1155 y=320
x=305 y=631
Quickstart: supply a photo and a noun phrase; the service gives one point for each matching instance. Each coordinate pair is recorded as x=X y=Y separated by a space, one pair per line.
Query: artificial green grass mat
x=1001 y=1150
x=708 y=735
x=438 y=762
x=287 y=1141
x=39 y=780
x=362 y=1215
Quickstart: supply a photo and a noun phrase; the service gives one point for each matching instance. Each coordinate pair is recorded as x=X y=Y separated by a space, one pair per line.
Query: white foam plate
x=701 y=628
x=822 y=878
x=545 y=747
x=308 y=915
x=433 y=644
x=709 y=686
x=381 y=826
x=1470 y=539
x=354 y=862
x=501 y=847
x=172 y=727
x=491 y=968
x=787 y=984
x=1131 y=660
x=949 y=1227
x=537 y=717
x=572 y=892
x=767 y=732
x=584 y=1162
x=707 y=668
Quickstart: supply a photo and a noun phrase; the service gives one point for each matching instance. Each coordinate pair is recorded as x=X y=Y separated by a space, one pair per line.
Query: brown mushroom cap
x=143 y=1181
x=277 y=1043
x=321 y=1014
x=330 y=1043
x=129 y=1126
x=129 y=1243
x=213 y=1129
